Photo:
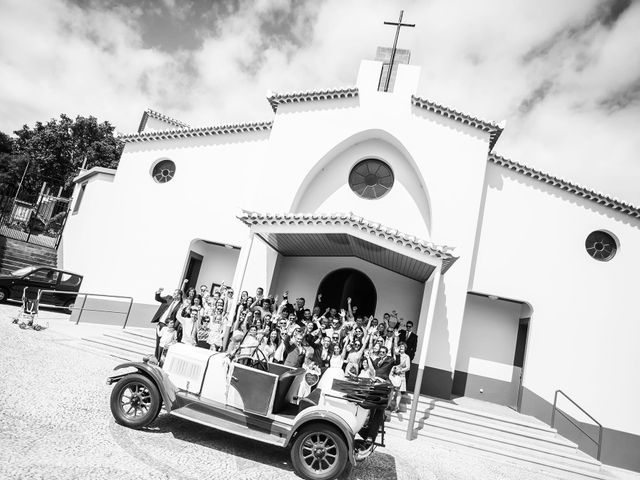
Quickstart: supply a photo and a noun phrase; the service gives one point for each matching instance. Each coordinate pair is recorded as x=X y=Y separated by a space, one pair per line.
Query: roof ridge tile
x=578 y=190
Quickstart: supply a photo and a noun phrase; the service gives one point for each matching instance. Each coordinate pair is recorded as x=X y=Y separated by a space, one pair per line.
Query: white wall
x=144 y=229
x=584 y=330
x=218 y=263
x=302 y=276
x=488 y=339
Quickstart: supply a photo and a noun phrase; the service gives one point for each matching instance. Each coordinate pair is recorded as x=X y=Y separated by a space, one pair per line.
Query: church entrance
x=343 y=283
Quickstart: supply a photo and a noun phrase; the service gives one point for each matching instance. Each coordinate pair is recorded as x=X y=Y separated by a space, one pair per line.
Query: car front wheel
x=319 y=452
x=135 y=401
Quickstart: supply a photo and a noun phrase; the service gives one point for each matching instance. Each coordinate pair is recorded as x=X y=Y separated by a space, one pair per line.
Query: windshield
x=23 y=271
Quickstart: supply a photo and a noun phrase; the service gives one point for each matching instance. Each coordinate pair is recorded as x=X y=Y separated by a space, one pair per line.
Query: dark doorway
x=348 y=282
x=193 y=269
x=518 y=358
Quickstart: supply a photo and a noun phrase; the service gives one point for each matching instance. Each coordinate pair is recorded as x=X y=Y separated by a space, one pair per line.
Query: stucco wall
x=302 y=276
x=218 y=263
x=583 y=335
x=488 y=339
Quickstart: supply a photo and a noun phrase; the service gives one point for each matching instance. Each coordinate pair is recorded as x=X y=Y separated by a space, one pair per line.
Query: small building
x=519 y=283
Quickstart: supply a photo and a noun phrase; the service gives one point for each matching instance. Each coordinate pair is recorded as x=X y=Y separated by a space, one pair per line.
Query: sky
x=564 y=75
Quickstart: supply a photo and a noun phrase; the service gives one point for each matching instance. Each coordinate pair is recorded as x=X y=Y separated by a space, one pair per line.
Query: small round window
x=371 y=178
x=601 y=245
x=163 y=171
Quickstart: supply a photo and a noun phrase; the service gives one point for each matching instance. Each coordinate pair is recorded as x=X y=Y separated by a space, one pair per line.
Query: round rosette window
x=163 y=171
x=601 y=245
x=371 y=178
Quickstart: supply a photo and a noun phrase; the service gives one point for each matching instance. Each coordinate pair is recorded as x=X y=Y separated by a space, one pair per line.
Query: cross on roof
x=398 y=25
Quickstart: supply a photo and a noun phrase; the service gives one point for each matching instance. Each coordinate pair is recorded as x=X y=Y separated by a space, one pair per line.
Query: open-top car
x=244 y=394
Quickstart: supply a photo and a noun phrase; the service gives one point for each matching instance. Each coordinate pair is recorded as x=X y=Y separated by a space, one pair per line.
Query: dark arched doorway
x=341 y=284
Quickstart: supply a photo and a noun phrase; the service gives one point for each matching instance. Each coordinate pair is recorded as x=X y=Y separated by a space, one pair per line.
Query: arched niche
x=325 y=189
x=345 y=283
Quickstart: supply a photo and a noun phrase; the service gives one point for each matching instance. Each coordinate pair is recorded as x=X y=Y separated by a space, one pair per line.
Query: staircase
x=128 y=345
x=506 y=434
x=16 y=254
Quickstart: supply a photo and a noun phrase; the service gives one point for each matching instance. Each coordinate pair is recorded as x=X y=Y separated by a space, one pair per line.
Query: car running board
x=226 y=425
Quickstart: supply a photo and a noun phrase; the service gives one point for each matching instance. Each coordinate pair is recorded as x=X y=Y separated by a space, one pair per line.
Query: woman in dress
x=355 y=349
x=270 y=343
x=189 y=326
x=337 y=357
x=217 y=327
x=399 y=372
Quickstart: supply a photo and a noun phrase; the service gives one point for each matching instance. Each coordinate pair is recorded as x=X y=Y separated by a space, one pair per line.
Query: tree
x=57 y=150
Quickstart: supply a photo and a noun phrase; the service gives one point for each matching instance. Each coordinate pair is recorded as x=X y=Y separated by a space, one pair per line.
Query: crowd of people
x=280 y=331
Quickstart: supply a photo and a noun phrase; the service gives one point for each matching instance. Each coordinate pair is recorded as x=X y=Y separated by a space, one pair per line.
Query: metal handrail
x=553 y=420
x=84 y=300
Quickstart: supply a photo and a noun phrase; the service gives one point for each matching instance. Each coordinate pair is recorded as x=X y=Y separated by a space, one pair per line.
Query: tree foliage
x=56 y=151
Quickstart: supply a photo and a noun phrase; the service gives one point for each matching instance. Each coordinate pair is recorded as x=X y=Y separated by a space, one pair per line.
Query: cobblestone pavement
x=55 y=423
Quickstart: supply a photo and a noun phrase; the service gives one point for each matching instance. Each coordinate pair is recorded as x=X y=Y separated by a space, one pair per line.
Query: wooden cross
x=399 y=25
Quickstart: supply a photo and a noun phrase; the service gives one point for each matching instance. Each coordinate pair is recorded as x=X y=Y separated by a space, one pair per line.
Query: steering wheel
x=256 y=359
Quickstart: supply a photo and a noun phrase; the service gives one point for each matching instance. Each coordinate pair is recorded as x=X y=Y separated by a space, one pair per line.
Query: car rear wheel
x=319 y=452
x=135 y=401
x=4 y=295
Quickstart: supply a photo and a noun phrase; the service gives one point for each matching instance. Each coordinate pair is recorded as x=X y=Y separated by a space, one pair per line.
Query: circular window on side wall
x=601 y=245
x=371 y=178
x=163 y=171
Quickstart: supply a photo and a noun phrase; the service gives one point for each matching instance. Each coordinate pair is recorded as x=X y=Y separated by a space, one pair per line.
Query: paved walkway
x=56 y=424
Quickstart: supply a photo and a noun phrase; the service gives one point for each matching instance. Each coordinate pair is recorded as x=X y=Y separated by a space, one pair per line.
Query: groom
x=166 y=311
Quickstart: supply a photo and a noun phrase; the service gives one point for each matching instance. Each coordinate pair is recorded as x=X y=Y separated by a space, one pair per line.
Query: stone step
x=574 y=466
x=134 y=352
x=130 y=339
x=436 y=414
x=30 y=258
x=146 y=333
x=515 y=419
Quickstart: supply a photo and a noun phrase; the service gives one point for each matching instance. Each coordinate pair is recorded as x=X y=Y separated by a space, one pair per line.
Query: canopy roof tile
x=339 y=246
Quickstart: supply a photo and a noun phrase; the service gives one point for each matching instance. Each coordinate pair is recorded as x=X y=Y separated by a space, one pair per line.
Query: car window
x=44 y=275
x=69 y=280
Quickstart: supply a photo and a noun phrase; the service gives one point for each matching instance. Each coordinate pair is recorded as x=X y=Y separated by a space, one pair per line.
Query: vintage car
x=246 y=395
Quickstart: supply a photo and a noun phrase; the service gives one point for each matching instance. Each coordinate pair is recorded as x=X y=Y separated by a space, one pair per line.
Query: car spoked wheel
x=135 y=401
x=319 y=452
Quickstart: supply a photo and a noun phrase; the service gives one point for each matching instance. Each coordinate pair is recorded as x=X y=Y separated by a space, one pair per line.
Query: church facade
x=520 y=283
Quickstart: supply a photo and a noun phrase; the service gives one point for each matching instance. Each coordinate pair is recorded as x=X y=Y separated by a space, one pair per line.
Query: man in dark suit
x=294 y=352
x=384 y=363
x=409 y=337
x=166 y=311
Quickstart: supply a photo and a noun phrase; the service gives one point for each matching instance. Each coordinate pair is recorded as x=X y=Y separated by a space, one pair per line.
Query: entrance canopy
x=348 y=235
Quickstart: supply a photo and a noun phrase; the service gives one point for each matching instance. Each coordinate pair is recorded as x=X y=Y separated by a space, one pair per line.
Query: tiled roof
x=349 y=219
x=276 y=99
x=196 y=132
x=493 y=129
x=162 y=117
x=583 y=192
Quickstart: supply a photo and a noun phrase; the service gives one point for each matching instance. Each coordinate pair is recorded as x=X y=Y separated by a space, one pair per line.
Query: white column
x=238 y=278
x=427 y=317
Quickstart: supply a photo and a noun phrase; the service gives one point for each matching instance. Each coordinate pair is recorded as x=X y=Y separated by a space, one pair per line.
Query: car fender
x=321 y=414
x=160 y=378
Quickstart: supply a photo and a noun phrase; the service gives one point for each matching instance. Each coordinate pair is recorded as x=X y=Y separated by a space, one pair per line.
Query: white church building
x=520 y=283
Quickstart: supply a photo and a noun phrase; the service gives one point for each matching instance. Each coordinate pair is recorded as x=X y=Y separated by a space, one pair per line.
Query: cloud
x=565 y=75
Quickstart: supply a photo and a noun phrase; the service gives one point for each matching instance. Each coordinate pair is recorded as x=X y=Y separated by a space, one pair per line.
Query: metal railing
x=556 y=409
x=84 y=301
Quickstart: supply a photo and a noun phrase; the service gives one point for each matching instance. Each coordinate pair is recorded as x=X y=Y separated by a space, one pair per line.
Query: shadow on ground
x=248 y=453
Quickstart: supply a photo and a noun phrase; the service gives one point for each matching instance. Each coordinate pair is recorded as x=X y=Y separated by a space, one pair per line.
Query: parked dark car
x=41 y=278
